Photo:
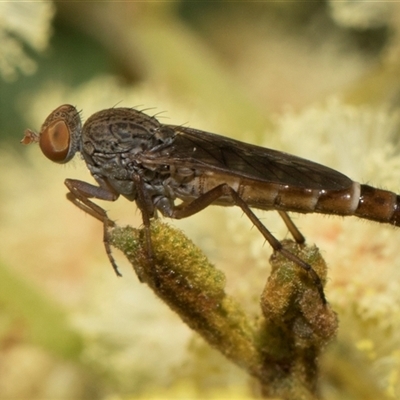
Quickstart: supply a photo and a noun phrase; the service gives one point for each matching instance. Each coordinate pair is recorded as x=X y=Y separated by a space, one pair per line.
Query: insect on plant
x=132 y=154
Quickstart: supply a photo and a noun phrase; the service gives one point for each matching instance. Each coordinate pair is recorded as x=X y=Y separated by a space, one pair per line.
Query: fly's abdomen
x=298 y=199
x=362 y=201
x=378 y=205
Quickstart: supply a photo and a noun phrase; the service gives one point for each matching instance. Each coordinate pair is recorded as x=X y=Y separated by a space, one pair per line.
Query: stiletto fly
x=132 y=154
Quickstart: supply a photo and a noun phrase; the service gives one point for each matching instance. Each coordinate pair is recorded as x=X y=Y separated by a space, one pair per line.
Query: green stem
x=281 y=348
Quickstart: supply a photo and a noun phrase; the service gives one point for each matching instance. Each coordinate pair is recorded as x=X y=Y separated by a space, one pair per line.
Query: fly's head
x=59 y=136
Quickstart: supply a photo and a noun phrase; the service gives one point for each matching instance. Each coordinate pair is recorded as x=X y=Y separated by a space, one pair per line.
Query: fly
x=133 y=155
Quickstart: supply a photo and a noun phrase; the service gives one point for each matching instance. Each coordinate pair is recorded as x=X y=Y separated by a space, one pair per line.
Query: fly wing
x=207 y=151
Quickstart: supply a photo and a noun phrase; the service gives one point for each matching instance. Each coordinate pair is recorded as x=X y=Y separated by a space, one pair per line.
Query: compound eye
x=55 y=141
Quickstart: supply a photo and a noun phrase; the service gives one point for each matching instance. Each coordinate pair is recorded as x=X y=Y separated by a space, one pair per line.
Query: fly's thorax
x=119 y=170
x=110 y=173
x=119 y=130
x=181 y=182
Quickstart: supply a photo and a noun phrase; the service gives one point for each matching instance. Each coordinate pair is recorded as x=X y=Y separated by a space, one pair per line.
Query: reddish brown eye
x=55 y=141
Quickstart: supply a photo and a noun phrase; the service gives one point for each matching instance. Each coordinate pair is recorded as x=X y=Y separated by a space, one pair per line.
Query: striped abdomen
x=362 y=201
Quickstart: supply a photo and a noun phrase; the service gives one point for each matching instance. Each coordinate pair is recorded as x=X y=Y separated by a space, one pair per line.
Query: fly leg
x=146 y=207
x=188 y=209
x=294 y=231
x=79 y=194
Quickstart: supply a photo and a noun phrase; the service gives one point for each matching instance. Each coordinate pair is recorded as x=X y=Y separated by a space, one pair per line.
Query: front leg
x=79 y=194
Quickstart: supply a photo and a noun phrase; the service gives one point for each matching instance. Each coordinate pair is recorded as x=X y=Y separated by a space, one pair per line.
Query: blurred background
x=317 y=79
